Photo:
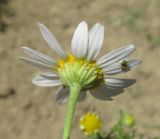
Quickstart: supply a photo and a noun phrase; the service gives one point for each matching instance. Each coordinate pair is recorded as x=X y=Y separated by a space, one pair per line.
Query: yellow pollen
x=90 y=123
x=61 y=63
x=72 y=59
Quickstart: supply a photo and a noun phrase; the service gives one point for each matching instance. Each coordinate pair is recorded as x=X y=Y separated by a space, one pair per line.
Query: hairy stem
x=74 y=93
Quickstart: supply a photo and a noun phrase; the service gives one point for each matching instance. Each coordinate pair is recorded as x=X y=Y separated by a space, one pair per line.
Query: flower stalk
x=74 y=93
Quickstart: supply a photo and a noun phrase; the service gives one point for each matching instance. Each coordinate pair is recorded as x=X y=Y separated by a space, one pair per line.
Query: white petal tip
x=33 y=81
x=20 y=57
x=82 y=24
x=139 y=61
x=24 y=47
x=131 y=46
x=96 y=25
x=134 y=62
x=23 y=58
x=40 y=24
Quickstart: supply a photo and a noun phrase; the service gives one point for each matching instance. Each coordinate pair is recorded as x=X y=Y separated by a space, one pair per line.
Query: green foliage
x=153 y=39
x=133 y=20
x=134 y=17
x=121 y=130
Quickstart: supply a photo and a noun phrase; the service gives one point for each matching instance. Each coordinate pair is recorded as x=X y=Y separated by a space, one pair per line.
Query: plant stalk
x=74 y=93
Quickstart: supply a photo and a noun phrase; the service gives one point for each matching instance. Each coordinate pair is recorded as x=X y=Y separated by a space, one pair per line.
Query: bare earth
x=30 y=112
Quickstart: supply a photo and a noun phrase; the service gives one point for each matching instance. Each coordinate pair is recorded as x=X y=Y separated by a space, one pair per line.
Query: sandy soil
x=30 y=112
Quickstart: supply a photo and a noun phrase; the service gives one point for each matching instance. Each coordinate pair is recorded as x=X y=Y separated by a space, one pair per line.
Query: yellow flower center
x=71 y=59
x=73 y=66
x=90 y=123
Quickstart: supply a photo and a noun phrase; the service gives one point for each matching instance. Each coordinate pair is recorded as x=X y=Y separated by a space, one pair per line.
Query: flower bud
x=128 y=120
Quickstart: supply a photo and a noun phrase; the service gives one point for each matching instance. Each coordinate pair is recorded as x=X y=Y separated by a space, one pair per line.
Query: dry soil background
x=30 y=112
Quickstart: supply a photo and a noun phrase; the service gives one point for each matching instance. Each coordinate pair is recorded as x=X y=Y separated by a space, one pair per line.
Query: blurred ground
x=30 y=112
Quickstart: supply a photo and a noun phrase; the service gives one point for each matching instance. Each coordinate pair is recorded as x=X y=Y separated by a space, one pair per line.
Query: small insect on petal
x=125 y=66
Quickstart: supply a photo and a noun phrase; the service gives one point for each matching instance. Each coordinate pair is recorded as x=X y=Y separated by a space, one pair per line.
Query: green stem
x=74 y=93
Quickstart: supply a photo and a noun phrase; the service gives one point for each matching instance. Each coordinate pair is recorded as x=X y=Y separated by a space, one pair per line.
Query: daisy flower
x=90 y=123
x=80 y=71
x=81 y=66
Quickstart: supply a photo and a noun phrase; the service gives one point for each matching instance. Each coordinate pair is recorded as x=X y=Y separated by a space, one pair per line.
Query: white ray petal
x=116 y=56
x=45 y=82
x=37 y=64
x=51 y=40
x=50 y=75
x=134 y=62
x=62 y=95
x=79 y=42
x=117 y=67
x=104 y=92
x=35 y=55
x=111 y=88
x=113 y=69
x=119 y=83
x=96 y=37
